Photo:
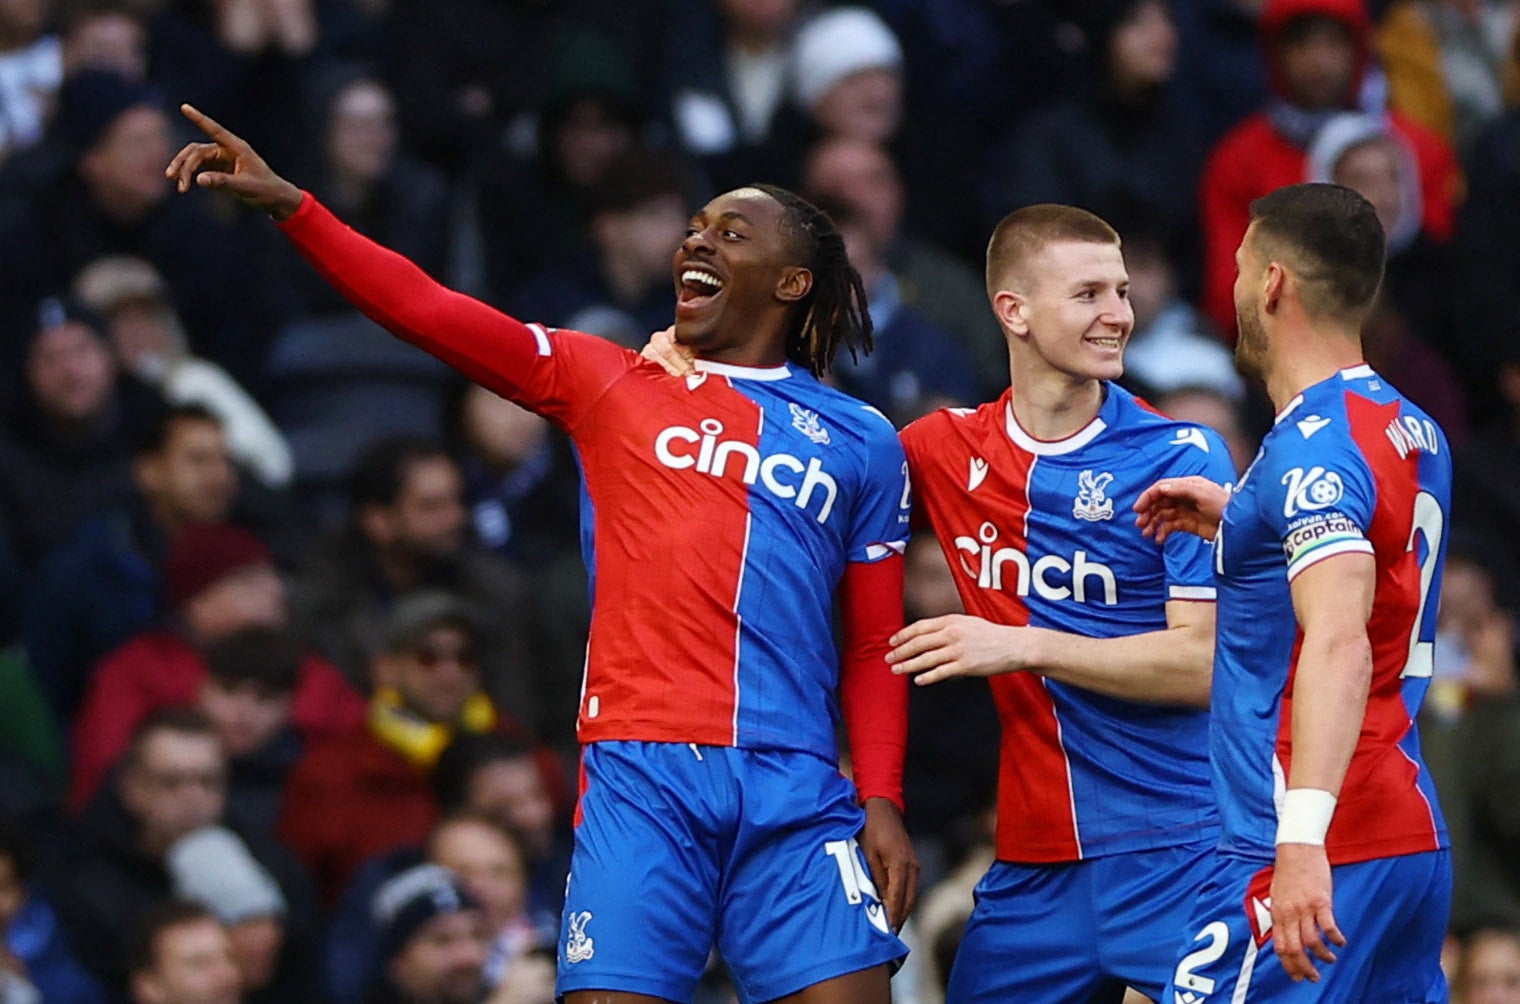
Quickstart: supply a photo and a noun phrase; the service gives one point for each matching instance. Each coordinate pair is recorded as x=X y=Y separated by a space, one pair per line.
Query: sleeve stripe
x=542 y=337
x=1191 y=592
x=1328 y=550
x=875 y=552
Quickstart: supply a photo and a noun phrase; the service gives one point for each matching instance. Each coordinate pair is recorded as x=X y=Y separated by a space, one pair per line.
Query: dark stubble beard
x=1250 y=343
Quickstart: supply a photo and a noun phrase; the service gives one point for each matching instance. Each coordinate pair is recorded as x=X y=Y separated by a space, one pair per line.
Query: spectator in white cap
x=847 y=74
x=212 y=866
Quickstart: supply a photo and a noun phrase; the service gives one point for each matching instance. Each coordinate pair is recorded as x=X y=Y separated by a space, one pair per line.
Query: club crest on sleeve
x=578 y=946
x=1091 y=503
x=806 y=422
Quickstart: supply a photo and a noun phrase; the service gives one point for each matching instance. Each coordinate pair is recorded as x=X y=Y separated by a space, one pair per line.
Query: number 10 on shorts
x=858 y=887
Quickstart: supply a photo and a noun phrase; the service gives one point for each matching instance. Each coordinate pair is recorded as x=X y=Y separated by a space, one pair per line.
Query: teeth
x=1107 y=343
x=694 y=275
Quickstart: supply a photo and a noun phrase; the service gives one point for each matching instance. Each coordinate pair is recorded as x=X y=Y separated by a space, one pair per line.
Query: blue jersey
x=1043 y=534
x=1349 y=466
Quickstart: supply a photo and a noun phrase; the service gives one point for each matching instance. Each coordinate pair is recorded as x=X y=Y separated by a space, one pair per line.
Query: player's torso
x=717 y=511
x=1044 y=535
x=1353 y=422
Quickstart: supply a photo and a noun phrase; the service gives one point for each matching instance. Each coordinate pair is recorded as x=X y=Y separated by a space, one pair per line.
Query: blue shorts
x=1078 y=932
x=681 y=847
x=1393 y=912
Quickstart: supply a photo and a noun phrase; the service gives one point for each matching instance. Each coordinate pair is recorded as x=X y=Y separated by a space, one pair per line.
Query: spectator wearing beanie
x=219 y=579
x=435 y=942
x=847 y=74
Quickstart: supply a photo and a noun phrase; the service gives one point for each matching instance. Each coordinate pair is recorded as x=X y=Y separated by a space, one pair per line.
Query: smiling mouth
x=697 y=288
x=1109 y=342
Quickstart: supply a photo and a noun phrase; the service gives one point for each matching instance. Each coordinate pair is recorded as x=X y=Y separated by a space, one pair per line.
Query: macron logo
x=1192 y=437
x=1312 y=424
x=978 y=473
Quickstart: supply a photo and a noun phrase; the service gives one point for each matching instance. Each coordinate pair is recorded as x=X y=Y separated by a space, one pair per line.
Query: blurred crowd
x=292 y=619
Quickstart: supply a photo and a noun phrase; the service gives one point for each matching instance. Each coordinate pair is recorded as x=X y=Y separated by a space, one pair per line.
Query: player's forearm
x=391 y=290
x=1170 y=666
x=1329 y=702
x=874 y=701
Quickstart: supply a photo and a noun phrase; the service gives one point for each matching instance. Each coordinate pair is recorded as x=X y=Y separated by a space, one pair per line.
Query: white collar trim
x=1055 y=448
x=742 y=372
x=1357 y=372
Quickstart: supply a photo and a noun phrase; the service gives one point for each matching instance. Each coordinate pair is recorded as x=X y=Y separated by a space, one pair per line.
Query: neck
x=1052 y=405
x=753 y=41
x=399 y=571
x=1304 y=359
x=349 y=191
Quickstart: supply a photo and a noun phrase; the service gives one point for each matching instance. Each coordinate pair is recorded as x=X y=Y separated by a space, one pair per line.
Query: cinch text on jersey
x=674 y=448
x=990 y=563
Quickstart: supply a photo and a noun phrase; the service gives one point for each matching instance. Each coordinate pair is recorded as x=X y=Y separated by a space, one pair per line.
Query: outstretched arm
x=485 y=344
x=1171 y=666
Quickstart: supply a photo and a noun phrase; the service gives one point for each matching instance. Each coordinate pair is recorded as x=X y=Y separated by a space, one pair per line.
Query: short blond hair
x=1025 y=232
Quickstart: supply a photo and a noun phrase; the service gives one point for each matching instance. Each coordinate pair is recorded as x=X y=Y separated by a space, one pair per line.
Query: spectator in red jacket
x=219 y=580
x=369 y=791
x=1317 y=56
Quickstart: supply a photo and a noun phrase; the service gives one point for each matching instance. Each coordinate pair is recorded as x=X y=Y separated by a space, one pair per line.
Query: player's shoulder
x=814 y=403
x=1149 y=434
x=933 y=427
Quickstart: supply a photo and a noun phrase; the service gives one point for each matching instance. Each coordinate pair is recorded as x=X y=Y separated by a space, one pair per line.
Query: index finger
x=210 y=126
x=917 y=629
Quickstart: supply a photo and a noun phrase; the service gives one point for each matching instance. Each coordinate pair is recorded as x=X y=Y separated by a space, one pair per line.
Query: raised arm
x=485 y=344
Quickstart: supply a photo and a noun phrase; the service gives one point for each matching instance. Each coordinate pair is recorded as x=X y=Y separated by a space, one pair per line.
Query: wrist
x=1304 y=817
x=1028 y=650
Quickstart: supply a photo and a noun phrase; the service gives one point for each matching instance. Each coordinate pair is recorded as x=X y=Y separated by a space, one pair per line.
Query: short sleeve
x=1188 y=558
x=1318 y=497
x=883 y=510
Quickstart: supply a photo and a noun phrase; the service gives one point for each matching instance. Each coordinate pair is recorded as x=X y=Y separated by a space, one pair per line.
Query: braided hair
x=834 y=312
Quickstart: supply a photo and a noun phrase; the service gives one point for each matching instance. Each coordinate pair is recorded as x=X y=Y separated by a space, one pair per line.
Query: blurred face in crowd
x=144 y=332
x=192 y=964
x=124 y=170
x=435 y=675
x=255 y=945
x=639 y=239
x=1374 y=169
x=177 y=783
x=1072 y=306
x=107 y=40
x=591 y=136
x=512 y=792
x=865 y=105
x=70 y=372
x=427 y=519
x=251 y=596
x=247 y=717
x=502 y=433
x=1491 y=969
x=758 y=19
x=444 y=960
x=361 y=136
x=21 y=21
x=860 y=174
x=1143 y=50
x=190 y=480
x=486 y=859
x=1317 y=58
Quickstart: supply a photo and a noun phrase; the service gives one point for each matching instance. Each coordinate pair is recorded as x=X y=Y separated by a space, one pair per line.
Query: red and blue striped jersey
x=1349 y=466
x=1042 y=533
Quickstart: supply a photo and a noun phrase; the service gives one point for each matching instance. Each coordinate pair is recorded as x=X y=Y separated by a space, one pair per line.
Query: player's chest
x=693 y=448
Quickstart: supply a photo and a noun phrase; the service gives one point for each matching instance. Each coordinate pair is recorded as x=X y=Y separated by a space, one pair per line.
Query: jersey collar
x=737 y=372
x=1358 y=372
x=1055 y=447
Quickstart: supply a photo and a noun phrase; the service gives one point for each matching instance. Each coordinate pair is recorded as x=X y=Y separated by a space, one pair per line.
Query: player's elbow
x=1193 y=645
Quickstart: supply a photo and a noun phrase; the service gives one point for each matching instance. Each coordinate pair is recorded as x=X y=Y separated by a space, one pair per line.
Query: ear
x=1010 y=309
x=1275 y=281
x=795 y=283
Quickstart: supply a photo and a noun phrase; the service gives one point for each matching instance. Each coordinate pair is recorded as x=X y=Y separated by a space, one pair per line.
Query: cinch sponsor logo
x=782 y=474
x=1051 y=577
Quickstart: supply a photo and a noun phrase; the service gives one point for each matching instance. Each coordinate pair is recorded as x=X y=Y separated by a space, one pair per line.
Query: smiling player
x=721 y=513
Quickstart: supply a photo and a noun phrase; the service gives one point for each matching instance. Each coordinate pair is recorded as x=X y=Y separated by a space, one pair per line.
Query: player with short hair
x=1098 y=643
x=1329 y=556
x=721 y=514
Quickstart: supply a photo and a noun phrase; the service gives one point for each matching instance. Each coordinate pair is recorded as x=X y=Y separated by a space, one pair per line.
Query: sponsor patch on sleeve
x=1314 y=538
